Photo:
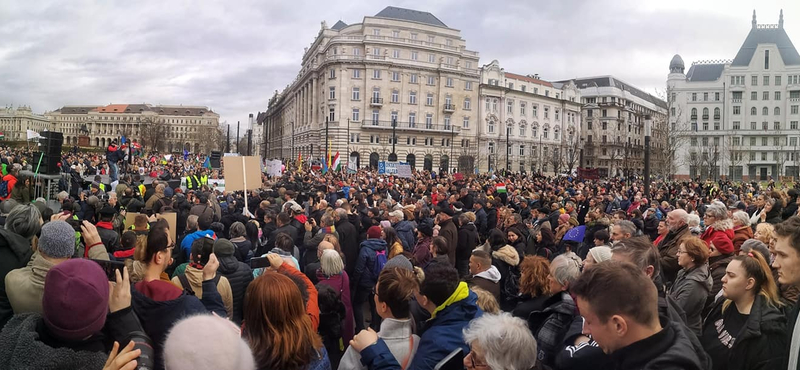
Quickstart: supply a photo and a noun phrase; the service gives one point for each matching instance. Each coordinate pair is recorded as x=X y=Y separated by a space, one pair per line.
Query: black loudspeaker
x=49 y=163
x=215 y=159
x=51 y=143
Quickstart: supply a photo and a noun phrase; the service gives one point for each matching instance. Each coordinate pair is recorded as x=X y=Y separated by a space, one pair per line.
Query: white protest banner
x=404 y=170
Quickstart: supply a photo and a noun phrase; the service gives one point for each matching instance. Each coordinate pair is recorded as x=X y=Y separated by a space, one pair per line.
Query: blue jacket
x=363 y=276
x=405 y=231
x=443 y=334
x=186 y=244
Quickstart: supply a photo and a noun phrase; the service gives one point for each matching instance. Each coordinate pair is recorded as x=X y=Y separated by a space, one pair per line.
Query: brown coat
x=740 y=234
x=448 y=231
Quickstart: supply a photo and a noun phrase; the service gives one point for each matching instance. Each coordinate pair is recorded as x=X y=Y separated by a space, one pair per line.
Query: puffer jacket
x=507 y=262
x=363 y=274
x=239 y=275
x=550 y=325
x=422 y=252
x=740 y=234
x=690 y=291
x=467 y=241
x=405 y=231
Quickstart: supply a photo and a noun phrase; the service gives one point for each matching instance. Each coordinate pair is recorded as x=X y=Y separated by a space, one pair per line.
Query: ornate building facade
x=527 y=124
x=14 y=123
x=399 y=84
x=739 y=118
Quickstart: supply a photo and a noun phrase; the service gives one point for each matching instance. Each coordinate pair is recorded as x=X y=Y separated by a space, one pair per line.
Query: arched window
x=716 y=113
x=777 y=111
x=694 y=113
x=764 y=111
x=705 y=113
x=556 y=133
x=753 y=111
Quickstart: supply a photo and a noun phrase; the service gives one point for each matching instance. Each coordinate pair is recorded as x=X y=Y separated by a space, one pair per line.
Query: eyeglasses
x=681 y=252
x=472 y=361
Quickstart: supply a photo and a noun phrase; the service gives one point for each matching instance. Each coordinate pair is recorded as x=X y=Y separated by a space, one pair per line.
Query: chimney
x=780 y=20
x=754 y=19
x=250 y=120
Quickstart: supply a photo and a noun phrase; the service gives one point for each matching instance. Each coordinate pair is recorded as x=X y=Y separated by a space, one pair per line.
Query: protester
x=277 y=326
x=365 y=275
x=237 y=273
x=483 y=274
x=499 y=342
x=193 y=276
x=597 y=255
x=221 y=346
x=620 y=307
x=331 y=273
x=677 y=221
x=534 y=287
x=746 y=330
x=741 y=230
x=467 y=241
x=693 y=283
x=787 y=262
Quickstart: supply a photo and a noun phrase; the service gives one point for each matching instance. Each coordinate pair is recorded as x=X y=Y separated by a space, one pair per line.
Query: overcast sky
x=232 y=55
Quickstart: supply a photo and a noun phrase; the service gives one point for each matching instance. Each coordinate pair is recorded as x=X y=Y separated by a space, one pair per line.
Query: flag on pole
x=122 y=139
x=185 y=154
x=324 y=166
x=32 y=134
x=207 y=163
x=2 y=135
x=328 y=157
x=337 y=165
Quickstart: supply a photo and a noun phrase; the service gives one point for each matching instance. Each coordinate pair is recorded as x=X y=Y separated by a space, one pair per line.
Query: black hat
x=108 y=211
x=425 y=229
x=446 y=210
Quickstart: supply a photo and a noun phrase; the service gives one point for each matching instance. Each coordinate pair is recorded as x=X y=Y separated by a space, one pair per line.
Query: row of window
x=737 y=110
x=412 y=119
x=745 y=141
x=412 y=36
x=396 y=76
x=604 y=126
x=753 y=156
x=491 y=106
x=521 y=149
x=776 y=80
x=395 y=97
x=409 y=140
x=523 y=131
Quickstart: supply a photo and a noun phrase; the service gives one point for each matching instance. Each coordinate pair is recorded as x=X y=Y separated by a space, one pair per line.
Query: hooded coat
x=239 y=276
x=405 y=231
x=450 y=233
x=721 y=235
x=507 y=262
x=467 y=241
x=740 y=234
x=690 y=291
x=488 y=280
x=348 y=240
x=363 y=275
x=15 y=252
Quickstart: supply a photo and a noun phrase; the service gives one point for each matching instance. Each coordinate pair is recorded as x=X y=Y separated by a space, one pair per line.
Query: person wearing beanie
x=239 y=275
x=222 y=347
x=83 y=316
x=158 y=303
x=365 y=277
x=192 y=277
x=421 y=254
x=399 y=261
x=25 y=286
x=596 y=255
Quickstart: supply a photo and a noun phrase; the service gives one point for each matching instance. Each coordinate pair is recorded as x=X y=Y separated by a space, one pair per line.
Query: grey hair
x=331 y=262
x=62 y=195
x=237 y=230
x=718 y=210
x=326 y=220
x=191 y=222
x=566 y=268
x=626 y=227
x=342 y=213
x=742 y=217
x=24 y=220
x=693 y=220
x=505 y=340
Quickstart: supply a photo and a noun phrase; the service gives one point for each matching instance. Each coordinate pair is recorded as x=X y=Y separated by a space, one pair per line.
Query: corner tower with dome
x=738 y=118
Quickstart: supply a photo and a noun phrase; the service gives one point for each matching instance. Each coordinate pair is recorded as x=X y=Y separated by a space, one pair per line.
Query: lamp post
x=393 y=155
x=348 y=143
x=452 y=137
x=327 y=141
x=648 y=123
x=508 y=149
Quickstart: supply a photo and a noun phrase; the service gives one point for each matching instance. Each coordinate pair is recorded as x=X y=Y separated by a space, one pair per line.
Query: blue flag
x=324 y=165
x=122 y=140
x=207 y=163
x=185 y=154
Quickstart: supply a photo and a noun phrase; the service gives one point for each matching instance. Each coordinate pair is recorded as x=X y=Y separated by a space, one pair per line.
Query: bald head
x=677 y=219
x=323 y=245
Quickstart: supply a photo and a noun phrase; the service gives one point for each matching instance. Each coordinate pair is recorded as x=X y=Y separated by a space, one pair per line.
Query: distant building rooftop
x=409 y=15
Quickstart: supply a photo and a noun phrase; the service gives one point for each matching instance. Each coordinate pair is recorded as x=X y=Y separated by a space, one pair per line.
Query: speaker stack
x=215 y=159
x=50 y=145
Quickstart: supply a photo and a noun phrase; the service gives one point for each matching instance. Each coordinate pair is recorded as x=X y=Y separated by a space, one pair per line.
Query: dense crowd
x=370 y=271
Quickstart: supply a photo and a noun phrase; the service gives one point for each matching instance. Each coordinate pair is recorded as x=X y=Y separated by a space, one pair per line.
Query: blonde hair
x=486 y=301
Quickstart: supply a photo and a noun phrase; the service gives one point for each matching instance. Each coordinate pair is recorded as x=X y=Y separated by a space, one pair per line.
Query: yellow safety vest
x=102 y=187
x=204 y=180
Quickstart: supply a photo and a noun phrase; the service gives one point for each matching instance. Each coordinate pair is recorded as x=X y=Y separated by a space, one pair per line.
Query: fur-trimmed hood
x=722 y=225
x=507 y=254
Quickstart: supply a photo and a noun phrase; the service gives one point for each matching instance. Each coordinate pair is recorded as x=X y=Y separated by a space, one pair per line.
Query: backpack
x=165 y=207
x=188 y=286
x=380 y=262
x=510 y=288
x=4 y=193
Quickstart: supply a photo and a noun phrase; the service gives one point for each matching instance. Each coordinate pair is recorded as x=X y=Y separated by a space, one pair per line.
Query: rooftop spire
x=754 y=19
x=780 y=20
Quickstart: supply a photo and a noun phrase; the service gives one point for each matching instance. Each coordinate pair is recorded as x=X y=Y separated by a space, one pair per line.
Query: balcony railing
x=737 y=100
x=376 y=102
x=694 y=117
x=716 y=116
x=410 y=126
x=449 y=108
x=705 y=117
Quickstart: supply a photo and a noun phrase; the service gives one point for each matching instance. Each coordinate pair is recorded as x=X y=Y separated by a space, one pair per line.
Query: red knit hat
x=75 y=299
x=374 y=232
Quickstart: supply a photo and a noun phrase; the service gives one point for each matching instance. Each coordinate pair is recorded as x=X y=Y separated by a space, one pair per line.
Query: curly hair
x=533 y=280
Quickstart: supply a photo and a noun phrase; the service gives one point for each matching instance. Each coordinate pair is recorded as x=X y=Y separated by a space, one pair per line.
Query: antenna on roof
x=780 y=20
x=754 y=19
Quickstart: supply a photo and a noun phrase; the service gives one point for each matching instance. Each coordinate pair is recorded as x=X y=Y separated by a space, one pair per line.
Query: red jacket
x=11 y=182
x=721 y=237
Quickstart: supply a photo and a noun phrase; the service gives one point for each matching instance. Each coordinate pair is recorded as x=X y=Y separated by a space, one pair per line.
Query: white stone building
x=526 y=123
x=739 y=118
x=402 y=66
x=614 y=115
x=14 y=123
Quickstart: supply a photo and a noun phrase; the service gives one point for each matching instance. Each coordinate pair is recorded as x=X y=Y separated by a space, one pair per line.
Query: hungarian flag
x=501 y=188
x=2 y=136
x=337 y=165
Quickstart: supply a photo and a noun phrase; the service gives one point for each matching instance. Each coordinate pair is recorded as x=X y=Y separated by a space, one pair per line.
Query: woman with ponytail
x=746 y=330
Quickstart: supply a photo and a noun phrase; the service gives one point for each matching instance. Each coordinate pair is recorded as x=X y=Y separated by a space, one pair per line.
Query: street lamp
x=648 y=123
x=508 y=149
x=452 y=137
x=393 y=155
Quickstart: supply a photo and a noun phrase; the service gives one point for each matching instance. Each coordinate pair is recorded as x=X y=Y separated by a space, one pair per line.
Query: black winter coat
x=15 y=252
x=239 y=276
x=348 y=241
x=467 y=241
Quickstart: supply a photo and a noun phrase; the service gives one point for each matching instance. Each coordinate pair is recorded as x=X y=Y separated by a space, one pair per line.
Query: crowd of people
x=371 y=271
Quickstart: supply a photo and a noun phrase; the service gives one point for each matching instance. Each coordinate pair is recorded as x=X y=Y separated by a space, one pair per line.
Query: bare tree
x=710 y=156
x=153 y=133
x=555 y=160
x=695 y=161
x=572 y=153
x=211 y=138
x=676 y=130
x=733 y=154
